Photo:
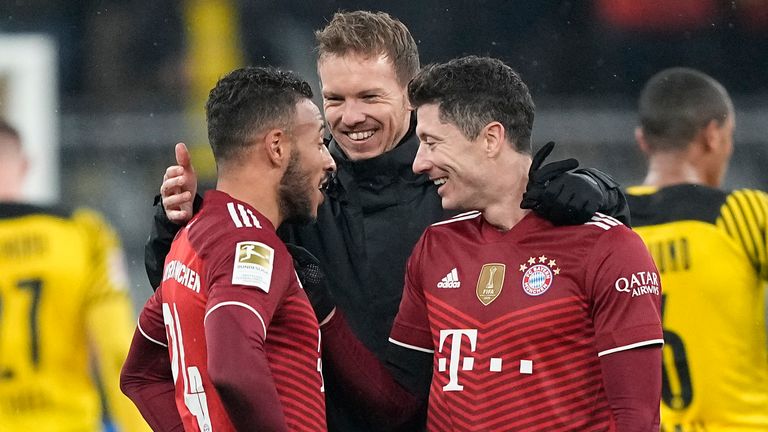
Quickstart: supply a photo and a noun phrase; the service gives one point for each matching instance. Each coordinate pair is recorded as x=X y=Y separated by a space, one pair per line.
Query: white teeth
x=359 y=136
x=440 y=181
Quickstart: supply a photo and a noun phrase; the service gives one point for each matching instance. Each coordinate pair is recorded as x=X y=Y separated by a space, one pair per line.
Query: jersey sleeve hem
x=241 y=304
x=628 y=338
x=411 y=347
x=631 y=346
x=148 y=337
x=411 y=337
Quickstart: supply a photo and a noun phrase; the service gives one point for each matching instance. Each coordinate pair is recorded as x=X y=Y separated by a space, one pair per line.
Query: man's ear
x=24 y=166
x=711 y=134
x=277 y=146
x=494 y=137
x=641 y=142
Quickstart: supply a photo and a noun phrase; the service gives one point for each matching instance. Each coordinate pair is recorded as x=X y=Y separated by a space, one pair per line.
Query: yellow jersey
x=64 y=309
x=710 y=249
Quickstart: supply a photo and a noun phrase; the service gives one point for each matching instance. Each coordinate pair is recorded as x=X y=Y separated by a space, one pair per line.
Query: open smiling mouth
x=323 y=186
x=360 y=136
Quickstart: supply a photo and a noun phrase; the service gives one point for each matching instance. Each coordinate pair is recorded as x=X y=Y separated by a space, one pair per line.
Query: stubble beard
x=295 y=193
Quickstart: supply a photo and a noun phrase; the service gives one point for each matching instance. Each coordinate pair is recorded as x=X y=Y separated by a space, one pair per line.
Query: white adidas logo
x=451 y=280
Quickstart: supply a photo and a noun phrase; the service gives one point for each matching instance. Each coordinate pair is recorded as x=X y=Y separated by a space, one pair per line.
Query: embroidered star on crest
x=542 y=259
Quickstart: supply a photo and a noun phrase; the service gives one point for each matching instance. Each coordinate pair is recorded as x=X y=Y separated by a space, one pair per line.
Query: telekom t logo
x=454 y=337
x=453 y=371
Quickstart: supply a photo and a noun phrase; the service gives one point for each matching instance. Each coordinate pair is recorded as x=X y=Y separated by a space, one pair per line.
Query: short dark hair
x=370 y=34
x=248 y=101
x=678 y=102
x=474 y=91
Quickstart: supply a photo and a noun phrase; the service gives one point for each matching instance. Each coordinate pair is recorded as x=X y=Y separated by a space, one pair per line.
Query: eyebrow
x=425 y=135
x=376 y=90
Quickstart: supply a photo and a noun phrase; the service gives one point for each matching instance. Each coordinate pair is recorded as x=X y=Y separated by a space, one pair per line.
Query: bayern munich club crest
x=538 y=275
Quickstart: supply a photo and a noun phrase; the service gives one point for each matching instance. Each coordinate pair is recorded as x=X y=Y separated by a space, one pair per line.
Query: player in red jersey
x=509 y=323
x=230 y=340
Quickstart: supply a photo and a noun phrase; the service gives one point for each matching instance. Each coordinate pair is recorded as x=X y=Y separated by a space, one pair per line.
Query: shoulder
x=599 y=228
x=744 y=217
x=748 y=207
x=229 y=228
x=748 y=200
x=600 y=236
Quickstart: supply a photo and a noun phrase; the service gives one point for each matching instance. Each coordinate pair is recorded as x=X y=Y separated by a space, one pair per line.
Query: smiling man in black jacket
x=376 y=207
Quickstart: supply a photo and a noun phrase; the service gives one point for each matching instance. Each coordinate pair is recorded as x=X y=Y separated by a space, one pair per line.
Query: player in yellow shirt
x=64 y=307
x=710 y=248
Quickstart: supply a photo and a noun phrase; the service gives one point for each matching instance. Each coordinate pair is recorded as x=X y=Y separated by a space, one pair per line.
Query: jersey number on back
x=676 y=388
x=194 y=393
x=33 y=288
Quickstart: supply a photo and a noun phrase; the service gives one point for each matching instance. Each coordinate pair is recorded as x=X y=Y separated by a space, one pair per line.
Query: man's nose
x=353 y=113
x=330 y=164
x=421 y=162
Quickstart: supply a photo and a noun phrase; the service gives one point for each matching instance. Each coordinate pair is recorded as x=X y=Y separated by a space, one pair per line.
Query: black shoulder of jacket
x=676 y=203
x=10 y=210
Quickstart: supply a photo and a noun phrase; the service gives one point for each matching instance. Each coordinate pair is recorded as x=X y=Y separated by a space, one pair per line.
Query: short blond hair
x=370 y=34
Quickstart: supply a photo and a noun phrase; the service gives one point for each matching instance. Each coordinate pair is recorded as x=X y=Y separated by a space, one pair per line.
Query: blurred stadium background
x=102 y=90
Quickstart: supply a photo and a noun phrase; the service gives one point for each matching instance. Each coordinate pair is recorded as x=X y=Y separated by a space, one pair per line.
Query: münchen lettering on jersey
x=182 y=274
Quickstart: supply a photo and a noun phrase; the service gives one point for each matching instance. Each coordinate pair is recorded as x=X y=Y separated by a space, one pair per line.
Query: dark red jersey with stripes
x=517 y=320
x=230 y=256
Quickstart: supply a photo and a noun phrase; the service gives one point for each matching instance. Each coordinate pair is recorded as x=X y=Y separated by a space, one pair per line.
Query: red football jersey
x=518 y=319
x=230 y=256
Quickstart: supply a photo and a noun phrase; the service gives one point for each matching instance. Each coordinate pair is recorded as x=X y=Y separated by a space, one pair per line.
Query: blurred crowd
x=126 y=55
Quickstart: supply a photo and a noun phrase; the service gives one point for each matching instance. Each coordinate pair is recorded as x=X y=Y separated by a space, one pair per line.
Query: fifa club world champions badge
x=490 y=282
x=538 y=274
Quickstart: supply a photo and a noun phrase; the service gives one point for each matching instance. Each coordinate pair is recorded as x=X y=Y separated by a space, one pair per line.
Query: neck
x=671 y=168
x=259 y=191
x=507 y=184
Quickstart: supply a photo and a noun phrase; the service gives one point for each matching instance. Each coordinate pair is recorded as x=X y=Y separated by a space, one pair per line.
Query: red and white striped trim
x=459 y=217
x=604 y=221
x=242 y=217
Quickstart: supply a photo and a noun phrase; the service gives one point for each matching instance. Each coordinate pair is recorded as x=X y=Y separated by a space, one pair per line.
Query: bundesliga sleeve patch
x=253 y=265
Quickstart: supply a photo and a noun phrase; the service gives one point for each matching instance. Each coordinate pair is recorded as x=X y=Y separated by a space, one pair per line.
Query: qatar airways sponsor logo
x=639 y=283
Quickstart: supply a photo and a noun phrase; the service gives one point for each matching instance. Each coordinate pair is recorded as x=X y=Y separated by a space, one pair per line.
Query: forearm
x=240 y=372
x=147 y=381
x=365 y=377
x=634 y=393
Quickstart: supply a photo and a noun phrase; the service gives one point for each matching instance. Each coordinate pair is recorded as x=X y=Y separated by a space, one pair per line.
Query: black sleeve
x=373 y=385
x=614 y=202
x=159 y=242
